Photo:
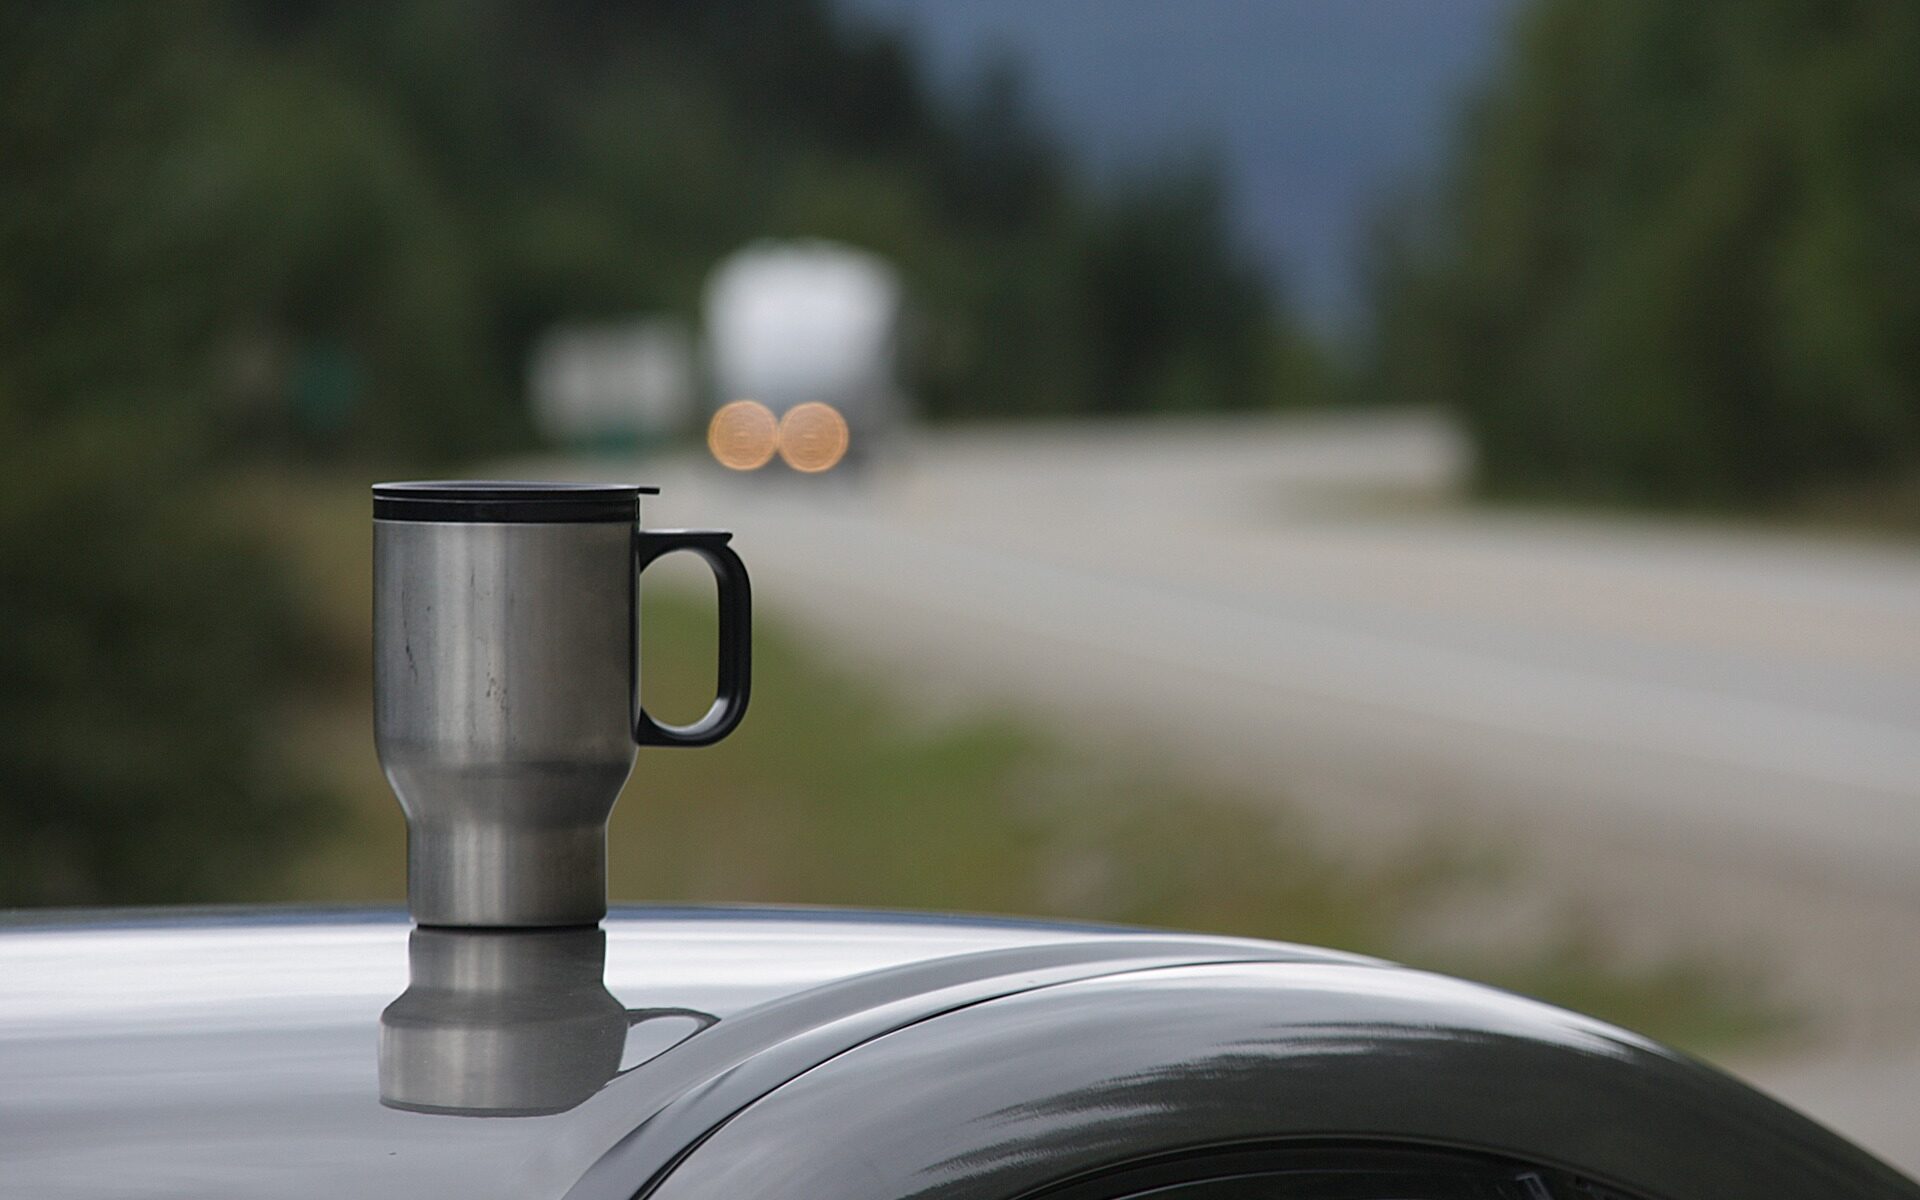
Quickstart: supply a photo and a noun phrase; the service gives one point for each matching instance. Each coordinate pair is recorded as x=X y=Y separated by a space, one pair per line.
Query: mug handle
x=735 y=596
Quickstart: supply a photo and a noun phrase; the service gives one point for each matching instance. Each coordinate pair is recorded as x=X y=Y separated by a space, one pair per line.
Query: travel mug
x=507 y=702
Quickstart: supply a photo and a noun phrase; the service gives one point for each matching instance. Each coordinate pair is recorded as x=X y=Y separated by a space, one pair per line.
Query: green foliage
x=147 y=647
x=145 y=641
x=1679 y=259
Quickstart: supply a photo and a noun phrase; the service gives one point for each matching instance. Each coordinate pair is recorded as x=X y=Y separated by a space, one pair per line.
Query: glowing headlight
x=743 y=435
x=813 y=437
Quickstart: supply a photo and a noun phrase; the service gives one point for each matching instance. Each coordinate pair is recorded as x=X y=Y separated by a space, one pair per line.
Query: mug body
x=503 y=704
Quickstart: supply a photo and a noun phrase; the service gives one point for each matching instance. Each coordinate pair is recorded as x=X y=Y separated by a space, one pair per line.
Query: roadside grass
x=834 y=792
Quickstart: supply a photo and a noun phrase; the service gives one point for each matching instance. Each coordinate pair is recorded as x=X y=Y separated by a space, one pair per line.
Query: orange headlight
x=743 y=435
x=813 y=437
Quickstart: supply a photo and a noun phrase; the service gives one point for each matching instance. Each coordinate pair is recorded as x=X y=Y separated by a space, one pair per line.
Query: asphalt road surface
x=1706 y=735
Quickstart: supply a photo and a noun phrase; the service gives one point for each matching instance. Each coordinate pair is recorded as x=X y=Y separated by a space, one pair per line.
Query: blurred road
x=1703 y=734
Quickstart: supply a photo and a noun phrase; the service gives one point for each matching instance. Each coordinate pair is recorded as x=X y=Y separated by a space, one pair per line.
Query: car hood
x=295 y=1053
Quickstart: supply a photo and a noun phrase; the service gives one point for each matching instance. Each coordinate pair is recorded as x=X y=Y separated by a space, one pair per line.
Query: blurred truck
x=802 y=347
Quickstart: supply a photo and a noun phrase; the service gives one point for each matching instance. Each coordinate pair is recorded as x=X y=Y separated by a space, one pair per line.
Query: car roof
x=245 y=1052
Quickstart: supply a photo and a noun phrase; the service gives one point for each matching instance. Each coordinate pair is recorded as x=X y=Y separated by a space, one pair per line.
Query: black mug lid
x=507 y=500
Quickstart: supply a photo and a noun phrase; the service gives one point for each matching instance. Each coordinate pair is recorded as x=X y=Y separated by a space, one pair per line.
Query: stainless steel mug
x=507 y=686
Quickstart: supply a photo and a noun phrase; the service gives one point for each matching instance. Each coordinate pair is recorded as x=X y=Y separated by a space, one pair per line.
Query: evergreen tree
x=1679 y=256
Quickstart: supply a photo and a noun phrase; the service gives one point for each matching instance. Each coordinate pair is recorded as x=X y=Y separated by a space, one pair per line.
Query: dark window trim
x=1332 y=1170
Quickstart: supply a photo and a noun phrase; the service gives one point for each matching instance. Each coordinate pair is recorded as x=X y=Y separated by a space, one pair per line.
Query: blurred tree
x=1679 y=258
x=148 y=651
x=1173 y=319
x=144 y=641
